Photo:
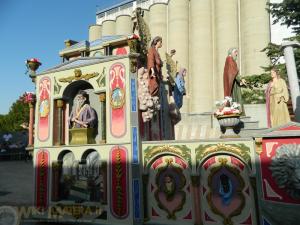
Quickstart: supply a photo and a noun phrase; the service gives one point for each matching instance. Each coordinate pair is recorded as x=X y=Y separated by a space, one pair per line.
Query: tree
x=286 y=13
x=18 y=114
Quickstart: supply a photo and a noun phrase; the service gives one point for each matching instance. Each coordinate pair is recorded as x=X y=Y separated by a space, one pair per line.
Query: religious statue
x=169 y=186
x=225 y=189
x=179 y=89
x=276 y=100
x=171 y=66
x=232 y=82
x=83 y=115
x=154 y=64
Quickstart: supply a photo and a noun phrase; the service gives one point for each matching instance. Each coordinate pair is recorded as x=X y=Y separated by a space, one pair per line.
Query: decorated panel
x=117 y=90
x=280 y=180
x=226 y=196
x=169 y=190
x=42 y=179
x=119 y=182
x=44 y=107
x=280 y=165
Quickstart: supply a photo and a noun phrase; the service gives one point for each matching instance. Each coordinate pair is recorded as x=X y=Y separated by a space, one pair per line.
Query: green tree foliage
x=286 y=13
x=18 y=114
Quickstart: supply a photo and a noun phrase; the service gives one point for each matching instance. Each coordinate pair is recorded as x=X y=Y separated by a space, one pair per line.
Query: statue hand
x=243 y=82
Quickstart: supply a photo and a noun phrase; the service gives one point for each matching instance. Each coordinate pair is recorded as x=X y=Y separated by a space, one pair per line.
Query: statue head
x=233 y=52
x=275 y=73
x=82 y=98
x=157 y=42
x=172 y=52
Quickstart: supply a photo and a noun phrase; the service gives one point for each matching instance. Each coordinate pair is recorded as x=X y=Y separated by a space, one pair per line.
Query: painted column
x=102 y=122
x=60 y=105
x=200 y=57
x=178 y=36
x=226 y=37
x=292 y=73
x=195 y=190
x=31 y=122
x=255 y=35
x=123 y=25
x=108 y=28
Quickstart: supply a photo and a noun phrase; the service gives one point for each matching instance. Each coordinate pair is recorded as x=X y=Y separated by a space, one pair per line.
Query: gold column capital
x=102 y=97
x=258 y=145
x=59 y=103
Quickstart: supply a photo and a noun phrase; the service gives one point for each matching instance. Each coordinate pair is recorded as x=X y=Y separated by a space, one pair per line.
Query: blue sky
x=37 y=29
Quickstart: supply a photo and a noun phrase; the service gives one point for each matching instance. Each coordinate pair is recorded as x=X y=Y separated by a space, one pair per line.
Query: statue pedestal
x=80 y=136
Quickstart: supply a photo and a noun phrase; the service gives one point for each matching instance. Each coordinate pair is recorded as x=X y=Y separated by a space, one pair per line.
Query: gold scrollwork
x=204 y=151
x=181 y=150
x=78 y=76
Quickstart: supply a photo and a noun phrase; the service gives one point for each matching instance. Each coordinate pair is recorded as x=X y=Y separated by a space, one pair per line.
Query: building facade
x=201 y=31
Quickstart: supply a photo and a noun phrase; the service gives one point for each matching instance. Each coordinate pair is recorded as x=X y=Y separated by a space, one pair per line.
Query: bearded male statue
x=83 y=115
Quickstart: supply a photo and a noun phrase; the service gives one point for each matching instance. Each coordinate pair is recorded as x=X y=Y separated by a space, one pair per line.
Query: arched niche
x=63 y=175
x=69 y=96
x=92 y=174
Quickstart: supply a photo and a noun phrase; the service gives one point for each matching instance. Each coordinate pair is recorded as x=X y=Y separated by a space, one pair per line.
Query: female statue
x=276 y=101
x=154 y=64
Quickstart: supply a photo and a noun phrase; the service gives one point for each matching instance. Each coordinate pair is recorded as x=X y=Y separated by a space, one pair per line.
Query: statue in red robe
x=154 y=64
x=232 y=82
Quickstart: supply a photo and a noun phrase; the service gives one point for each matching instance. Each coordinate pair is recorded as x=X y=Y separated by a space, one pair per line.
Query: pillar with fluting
x=108 y=28
x=123 y=25
x=31 y=123
x=59 y=105
x=158 y=25
x=292 y=74
x=225 y=37
x=102 y=121
x=200 y=57
x=178 y=36
x=255 y=36
x=95 y=32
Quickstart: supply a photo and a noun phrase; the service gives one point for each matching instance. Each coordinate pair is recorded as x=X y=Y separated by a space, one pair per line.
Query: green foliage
x=286 y=13
x=18 y=114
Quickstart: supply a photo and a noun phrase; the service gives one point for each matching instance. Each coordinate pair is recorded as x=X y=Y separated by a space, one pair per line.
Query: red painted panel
x=119 y=182
x=271 y=191
x=42 y=179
